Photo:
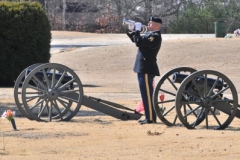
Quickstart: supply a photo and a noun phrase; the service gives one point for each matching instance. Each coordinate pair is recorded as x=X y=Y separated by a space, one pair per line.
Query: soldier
x=146 y=63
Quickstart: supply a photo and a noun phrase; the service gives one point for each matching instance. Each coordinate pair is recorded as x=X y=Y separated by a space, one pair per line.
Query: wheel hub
x=206 y=102
x=52 y=94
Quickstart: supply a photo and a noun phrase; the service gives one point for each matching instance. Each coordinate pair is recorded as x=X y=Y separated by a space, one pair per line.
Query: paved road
x=60 y=42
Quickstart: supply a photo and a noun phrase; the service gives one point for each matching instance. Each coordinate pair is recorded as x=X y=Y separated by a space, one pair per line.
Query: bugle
x=131 y=25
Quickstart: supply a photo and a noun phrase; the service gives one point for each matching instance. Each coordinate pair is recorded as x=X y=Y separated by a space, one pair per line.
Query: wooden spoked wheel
x=18 y=90
x=165 y=109
x=52 y=92
x=208 y=93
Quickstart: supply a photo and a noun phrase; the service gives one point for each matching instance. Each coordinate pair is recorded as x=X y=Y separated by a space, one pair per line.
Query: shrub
x=25 y=36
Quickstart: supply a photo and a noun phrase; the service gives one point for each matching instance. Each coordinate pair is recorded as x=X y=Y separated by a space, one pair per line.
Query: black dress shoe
x=147 y=122
x=140 y=121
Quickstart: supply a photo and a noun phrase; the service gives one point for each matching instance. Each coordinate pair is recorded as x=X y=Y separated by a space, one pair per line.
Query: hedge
x=25 y=36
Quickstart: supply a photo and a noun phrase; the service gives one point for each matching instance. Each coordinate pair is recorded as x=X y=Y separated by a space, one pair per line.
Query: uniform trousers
x=145 y=82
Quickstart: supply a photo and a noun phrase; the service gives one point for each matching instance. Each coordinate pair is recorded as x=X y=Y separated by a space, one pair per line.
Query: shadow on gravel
x=90 y=85
x=10 y=106
x=74 y=46
x=92 y=120
x=7 y=106
x=89 y=113
x=229 y=128
x=41 y=135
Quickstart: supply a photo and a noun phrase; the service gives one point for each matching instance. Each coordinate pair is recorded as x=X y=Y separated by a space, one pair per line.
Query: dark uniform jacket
x=148 y=47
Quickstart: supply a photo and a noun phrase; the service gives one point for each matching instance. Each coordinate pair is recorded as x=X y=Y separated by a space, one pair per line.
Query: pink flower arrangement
x=8 y=114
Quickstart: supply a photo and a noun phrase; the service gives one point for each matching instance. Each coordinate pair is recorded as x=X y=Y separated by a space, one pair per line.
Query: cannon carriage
x=193 y=97
x=53 y=92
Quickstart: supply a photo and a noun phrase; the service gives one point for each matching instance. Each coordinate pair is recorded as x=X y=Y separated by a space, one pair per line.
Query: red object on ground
x=162 y=97
x=140 y=107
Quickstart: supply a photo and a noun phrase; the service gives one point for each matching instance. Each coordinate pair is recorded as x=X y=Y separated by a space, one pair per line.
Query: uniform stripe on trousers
x=149 y=97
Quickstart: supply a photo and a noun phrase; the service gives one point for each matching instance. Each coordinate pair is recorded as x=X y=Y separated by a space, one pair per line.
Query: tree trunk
x=63 y=16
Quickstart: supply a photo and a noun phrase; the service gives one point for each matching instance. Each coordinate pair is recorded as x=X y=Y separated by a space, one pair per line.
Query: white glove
x=131 y=27
x=138 y=26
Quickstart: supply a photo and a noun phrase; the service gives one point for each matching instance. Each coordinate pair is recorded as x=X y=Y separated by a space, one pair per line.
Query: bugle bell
x=131 y=25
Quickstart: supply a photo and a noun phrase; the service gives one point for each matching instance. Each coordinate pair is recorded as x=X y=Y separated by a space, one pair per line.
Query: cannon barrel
x=178 y=78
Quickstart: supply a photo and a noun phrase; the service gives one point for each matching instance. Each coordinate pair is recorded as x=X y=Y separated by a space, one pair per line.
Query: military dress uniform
x=146 y=67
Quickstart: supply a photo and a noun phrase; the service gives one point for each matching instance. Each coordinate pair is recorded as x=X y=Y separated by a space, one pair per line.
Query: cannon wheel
x=207 y=99
x=169 y=89
x=18 y=91
x=51 y=98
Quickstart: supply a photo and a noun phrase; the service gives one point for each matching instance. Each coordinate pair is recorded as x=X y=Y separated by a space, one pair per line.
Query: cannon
x=193 y=97
x=54 y=92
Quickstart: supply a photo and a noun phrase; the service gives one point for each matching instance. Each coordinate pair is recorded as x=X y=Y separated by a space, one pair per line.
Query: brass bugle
x=127 y=22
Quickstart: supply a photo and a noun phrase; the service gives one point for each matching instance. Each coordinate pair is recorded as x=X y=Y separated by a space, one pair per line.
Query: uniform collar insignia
x=151 y=39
